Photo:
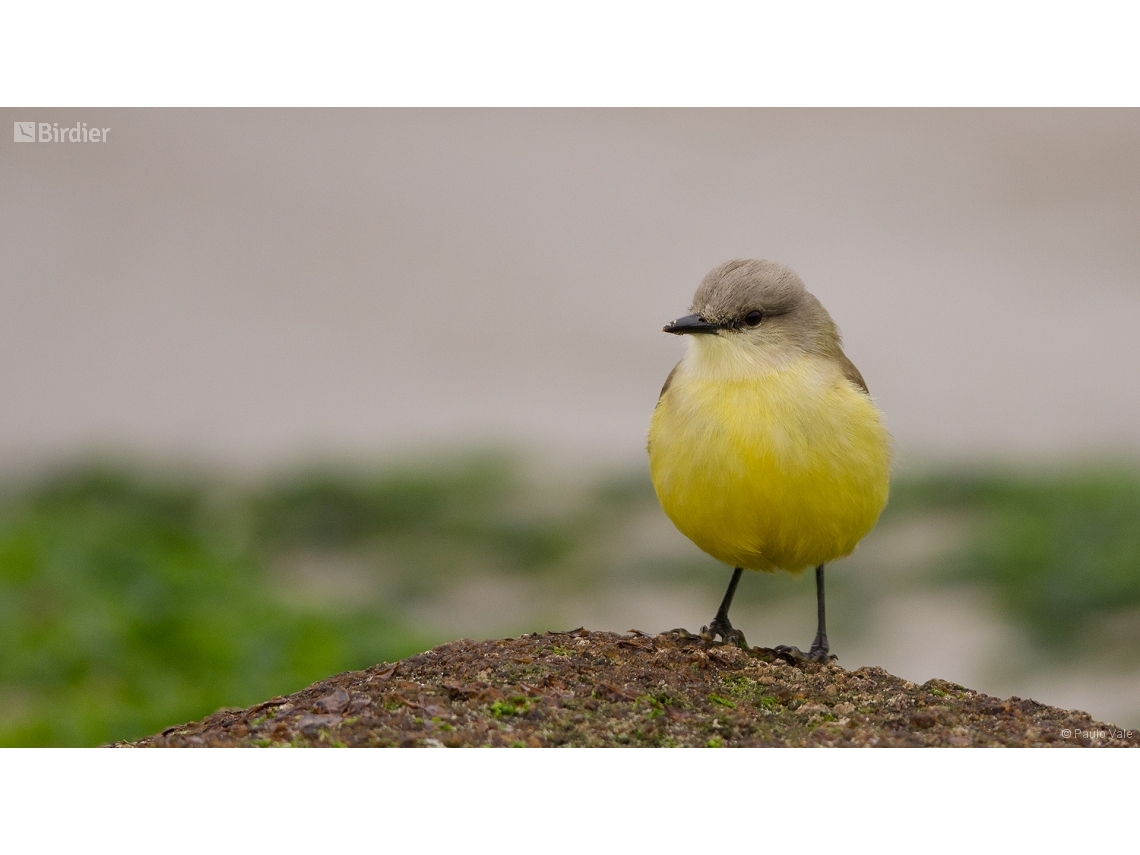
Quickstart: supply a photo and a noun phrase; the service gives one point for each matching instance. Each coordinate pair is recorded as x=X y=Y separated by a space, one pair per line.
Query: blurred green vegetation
x=131 y=599
x=1061 y=550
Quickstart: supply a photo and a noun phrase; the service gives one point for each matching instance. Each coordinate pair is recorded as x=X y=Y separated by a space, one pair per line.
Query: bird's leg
x=720 y=624
x=820 y=651
x=819 y=647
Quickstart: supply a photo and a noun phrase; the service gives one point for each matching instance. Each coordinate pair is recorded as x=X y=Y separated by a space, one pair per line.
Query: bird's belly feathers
x=787 y=470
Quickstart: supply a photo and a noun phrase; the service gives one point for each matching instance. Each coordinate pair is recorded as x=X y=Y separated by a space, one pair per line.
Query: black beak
x=690 y=325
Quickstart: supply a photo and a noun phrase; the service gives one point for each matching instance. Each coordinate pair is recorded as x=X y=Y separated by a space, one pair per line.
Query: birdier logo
x=52 y=132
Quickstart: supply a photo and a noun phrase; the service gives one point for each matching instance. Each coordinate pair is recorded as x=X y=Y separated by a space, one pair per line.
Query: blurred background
x=288 y=392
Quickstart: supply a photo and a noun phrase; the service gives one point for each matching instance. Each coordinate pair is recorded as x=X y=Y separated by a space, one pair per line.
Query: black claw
x=793 y=655
x=726 y=631
x=819 y=648
x=720 y=624
x=789 y=653
x=735 y=636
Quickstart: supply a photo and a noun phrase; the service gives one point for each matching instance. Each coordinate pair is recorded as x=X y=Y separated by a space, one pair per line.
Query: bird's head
x=760 y=308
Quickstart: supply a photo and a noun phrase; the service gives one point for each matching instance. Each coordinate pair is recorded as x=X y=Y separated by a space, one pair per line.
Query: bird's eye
x=753 y=318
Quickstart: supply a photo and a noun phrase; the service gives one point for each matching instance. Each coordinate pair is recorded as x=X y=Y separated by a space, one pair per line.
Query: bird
x=765 y=447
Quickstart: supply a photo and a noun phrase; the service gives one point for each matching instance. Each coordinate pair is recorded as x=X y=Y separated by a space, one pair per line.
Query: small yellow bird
x=765 y=448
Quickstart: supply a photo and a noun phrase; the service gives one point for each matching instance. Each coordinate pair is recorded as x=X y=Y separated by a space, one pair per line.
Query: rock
x=334 y=702
x=311 y=725
x=602 y=689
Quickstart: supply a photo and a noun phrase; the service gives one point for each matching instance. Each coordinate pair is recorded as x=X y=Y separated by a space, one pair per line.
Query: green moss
x=515 y=705
x=744 y=688
x=721 y=702
x=715 y=742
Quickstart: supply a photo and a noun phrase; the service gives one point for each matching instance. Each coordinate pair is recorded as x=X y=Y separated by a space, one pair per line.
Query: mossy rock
x=602 y=689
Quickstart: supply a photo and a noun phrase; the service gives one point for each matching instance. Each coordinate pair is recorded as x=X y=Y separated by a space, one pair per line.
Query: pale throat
x=728 y=358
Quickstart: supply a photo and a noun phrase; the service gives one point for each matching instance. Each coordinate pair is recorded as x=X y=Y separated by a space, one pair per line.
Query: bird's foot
x=793 y=654
x=725 y=630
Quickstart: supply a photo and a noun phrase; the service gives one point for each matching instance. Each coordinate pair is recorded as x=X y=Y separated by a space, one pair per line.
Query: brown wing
x=849 y=371
x=669 y=379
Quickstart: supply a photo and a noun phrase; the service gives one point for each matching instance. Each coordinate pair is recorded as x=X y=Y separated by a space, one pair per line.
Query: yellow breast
x=785 y=469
